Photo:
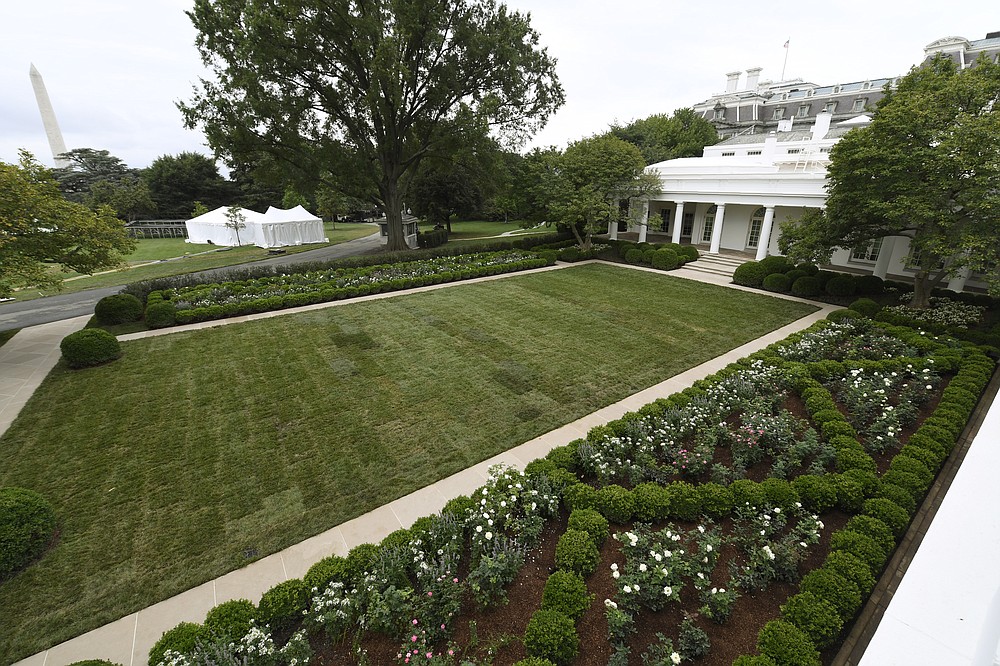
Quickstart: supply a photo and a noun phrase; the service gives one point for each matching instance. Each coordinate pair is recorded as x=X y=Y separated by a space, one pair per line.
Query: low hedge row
x=433 y=238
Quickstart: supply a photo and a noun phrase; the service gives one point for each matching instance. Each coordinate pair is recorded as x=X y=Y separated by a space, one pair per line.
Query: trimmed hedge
x=787 y=645
x=118 y=309
x=552 y=635
x=577 y=552
x=90 y=347
x=231 y=620
x=281 y=606
x=161 y=314
x=182 y=639
x=27 y=523
x=566 y=593
x=841 y=285
x=816 y=617
x=591 y=522
x=749 y=274
x=777 y=282
x=806 y=286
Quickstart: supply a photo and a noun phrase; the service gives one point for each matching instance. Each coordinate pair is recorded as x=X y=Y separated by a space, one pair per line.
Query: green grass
x=7 y=335
x=166 y=248
x=466 y=230
x=164 y=466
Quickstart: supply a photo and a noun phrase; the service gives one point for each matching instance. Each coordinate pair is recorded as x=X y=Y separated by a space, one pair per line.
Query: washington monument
x=56 y=143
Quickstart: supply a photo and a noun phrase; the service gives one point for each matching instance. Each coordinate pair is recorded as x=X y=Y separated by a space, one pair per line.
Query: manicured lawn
x=166 y=466
x=167 y=248
x=466 y=230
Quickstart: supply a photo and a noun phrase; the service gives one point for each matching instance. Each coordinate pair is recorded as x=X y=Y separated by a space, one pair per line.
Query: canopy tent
x=275 y=228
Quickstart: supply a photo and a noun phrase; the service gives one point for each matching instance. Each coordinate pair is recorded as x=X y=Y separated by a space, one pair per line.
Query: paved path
x=128 y=640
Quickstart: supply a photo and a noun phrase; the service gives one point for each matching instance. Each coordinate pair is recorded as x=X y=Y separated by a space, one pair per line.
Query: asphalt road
x=21 y=314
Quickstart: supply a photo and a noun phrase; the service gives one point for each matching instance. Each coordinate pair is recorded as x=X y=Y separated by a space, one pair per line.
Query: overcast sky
x=115 y=68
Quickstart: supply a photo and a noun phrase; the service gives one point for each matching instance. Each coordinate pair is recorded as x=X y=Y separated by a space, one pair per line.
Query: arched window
x=706 y=233
x=756 y=224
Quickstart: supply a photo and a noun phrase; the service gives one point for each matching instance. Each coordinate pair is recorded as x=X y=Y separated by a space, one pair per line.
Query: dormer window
x=720 y=114
x=729 y=153
x=779 y=113
x=831 y=107
x=859 y=104
x=802 y=111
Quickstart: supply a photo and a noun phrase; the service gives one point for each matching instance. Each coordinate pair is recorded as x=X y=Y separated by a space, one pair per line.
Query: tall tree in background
x=38 y=225
x=364 y=90
x=87 y=167
x=662 y=137
x=177 y=181
x=926 y=168
x=129 y=197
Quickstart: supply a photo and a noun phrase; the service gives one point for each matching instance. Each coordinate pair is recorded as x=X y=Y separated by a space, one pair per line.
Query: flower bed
x=230 y=299
x=751 y=512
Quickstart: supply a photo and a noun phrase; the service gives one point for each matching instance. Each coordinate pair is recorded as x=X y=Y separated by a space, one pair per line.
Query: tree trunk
x=394 y=217
x=921 y=291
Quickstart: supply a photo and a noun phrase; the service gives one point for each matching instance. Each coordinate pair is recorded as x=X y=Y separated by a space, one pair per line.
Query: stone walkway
x=128 y=640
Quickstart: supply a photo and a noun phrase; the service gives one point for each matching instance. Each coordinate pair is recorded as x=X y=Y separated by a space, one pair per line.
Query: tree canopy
x=87 y=167
x=358 y=93
x=177 y=181
x=662 y=137
x=38 y=225
x=927 y=168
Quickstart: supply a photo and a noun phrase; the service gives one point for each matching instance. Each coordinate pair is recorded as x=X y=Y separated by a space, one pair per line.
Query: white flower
x=667 y=590
x=615 y=574
x=479 y=528
x=708 y=547
x=674 y=657
x=642 y=567
x=614 y=566
x=610 y=604
x=489 y=535
x=627 y=590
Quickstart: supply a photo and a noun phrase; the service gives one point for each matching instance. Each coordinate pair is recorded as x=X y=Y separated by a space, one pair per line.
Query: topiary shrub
x=841 y=593
x=616 y=503
x=881 y=533
x=579 y=496
x=851 y=567
x=777 y=282
x=862 y=545
x=591 y=522
x=566 y=593
x=118 y=309
x=89 y=347
x=776 y=264
x=359 y=559
x=795 y=274
x=787 y=645
x=665 y=259
x=690 y=251
x=806 y=286
x=329 y=569
x=95 y=662
x=850 y=493
x=161 y=315
x=551 y=635
x=27 y=523
x=577 y=552
x=807 y=268
x=779 y=493
x=281 y=606
x=746 y=492
x=869 y=284
x=750 y=274
x=181 y=639
x=633 y=256
x=685 y=500
x=840 y=315
x=398 y=539
x=817 y=493
x=231 y=620
x=814 y=616
x=888 y=512
x=841 y=285
x=865 y=306
x=753 y=660
x=534 y=661
x=716 y=499
x=652 y=502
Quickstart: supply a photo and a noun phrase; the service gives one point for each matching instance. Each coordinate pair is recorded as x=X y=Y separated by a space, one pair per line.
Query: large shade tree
x=176 y=182
x=361 y=91
x=927 y=168
x=39 y=227
x=663 y=137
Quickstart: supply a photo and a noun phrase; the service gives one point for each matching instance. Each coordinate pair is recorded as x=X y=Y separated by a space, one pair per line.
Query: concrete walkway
x=128 y=640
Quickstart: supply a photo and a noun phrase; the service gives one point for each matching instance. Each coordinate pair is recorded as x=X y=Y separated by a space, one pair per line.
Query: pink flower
x=414 y=620
x=430 y=594
x=454 y=580
x=430 y=655
x=413 y=639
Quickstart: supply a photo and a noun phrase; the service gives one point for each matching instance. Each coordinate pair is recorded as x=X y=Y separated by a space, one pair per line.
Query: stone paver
x=135 y=634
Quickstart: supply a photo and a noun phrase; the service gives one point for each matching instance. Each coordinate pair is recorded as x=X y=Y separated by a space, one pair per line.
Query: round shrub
x=749 y=274
x=579 y=496
x=908 y=481
x=931 y=455
x=685 y=500
x=95 y=662
x=566 y=593
x=281 y=606
x=848 y=459
x=806 y=286
x=27 y=522
x=616 y=503
x=569 y=254
x=746 y=492
x=779 y=493
x=851 y=567
x=850 y=494
x=832 y=429
x=787 y=645
x=690 y=251
x=777 y=282
x=795 y=274
x=460 y=506
x=591 y=522
x=896 y=495
x=840 y=315
x=565 y=456
x=817 y=493
x=665 y=259
x=652 y=502
x=647 y=255
x=89 y=347
x=807 y=268
x=888 y=512
x=824 y=277
x=716 y=500
x=230 y=620
x=872 y=527
x=182 y=639
x=534 y=661
x=866 y=306
x=359 y=559
x=161 y=315
x=841 y=593
x=329 y=569
x=862 y=545
x=905 y=463
x=633 y=256
x=118 y=309
x=816 y=617
x=869 y=284
x=577 y=552
x=841 y=285
x=551 y=635
x=776 y=264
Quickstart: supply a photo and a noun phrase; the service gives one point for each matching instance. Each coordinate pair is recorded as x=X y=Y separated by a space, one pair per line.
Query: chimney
x=732 y=81
x=753 y=75
x=822 y=126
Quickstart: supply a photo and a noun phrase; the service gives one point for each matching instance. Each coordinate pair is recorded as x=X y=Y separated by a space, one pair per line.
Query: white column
x=884 y=257
x=957 y=283
x=643 y=220
x=613 y=222
x=764 y=241
x=720 y=213
x=678 y=222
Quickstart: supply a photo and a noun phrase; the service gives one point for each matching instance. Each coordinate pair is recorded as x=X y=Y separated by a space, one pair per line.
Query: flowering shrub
x=942 y=312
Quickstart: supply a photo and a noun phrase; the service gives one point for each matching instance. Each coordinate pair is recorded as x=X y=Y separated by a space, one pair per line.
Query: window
x=706 y=232
x=687 y=226
x=802 y=111
x=779 y=113
x=867 y=252
x=756 y=223
x=720 y=114
x=859 y=104
x=824 y=150
x=728 y=153
x=794 y=151
x=753 y=152
x=831 y=107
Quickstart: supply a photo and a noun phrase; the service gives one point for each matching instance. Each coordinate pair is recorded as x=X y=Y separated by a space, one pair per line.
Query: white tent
x=290 y=227
x=276 y=228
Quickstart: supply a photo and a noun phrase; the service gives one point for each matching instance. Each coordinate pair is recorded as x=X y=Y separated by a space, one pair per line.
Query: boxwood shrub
x=865 y=547
x=814 y=616
x=579 y=496
x=182 y=639
x=329 y=569
x=652 y=502
x=566 y=593
x=90 y=347
x=716 y=499
x=870 y=526
x=27 y=523
x=777 y=282
x=869 y=284
x=577 y=552
x=161 y=314
x=888 y=512
x=534 y=661
x=750 y=274
x=231 y=620
x=118 y=309
x=897 y=495
x=685 y=500
x=817 y=493
x=776 y=264
x=840 y=592
x=616 y=503
x=841 y=285
x=865 y=306
x=850 y=566
x=281 y=606
x=665 y=259
x=786 y=644
x=591 y=522
x=552 y=635
x=806 y=286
